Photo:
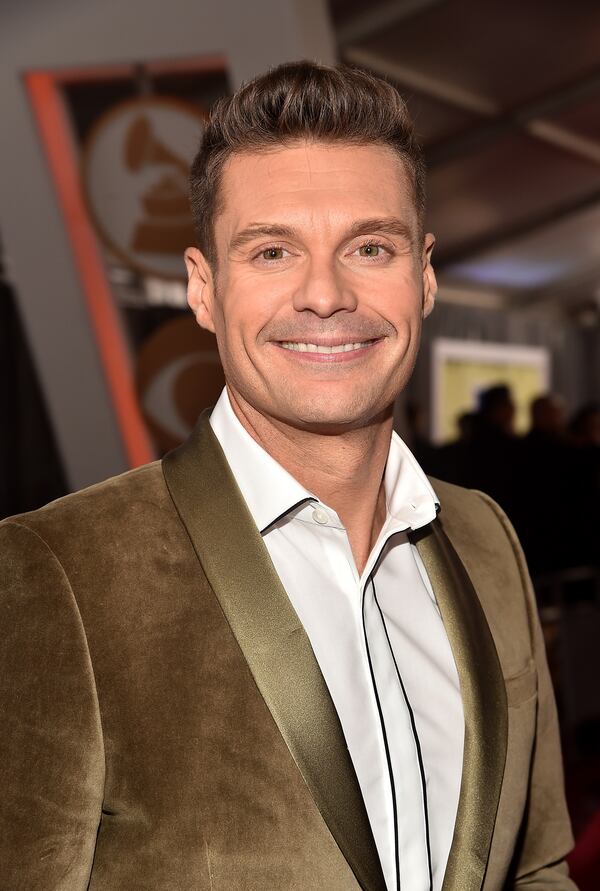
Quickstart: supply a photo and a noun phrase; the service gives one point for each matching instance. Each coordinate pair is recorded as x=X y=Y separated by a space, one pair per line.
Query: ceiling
x=506 y=100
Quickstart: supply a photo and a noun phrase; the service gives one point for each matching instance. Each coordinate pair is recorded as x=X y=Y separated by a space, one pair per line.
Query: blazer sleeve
x=546 y=835
x=51 y=752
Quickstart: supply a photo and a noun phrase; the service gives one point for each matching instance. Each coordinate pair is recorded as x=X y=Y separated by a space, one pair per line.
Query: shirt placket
x=399 y=771
x=371 y=764
x=400 y=741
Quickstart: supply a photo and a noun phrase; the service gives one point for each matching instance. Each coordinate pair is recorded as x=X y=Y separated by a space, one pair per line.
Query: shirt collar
x=271 y=492
x=268 y=489
x=410 y=499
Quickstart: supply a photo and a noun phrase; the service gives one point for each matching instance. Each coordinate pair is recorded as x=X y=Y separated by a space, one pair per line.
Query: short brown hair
x=300 y=100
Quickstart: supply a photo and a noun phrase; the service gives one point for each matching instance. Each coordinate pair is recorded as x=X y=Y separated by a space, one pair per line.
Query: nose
x=323 y=290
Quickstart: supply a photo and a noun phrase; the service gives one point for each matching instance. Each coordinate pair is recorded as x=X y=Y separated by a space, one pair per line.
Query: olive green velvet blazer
x=164 y=725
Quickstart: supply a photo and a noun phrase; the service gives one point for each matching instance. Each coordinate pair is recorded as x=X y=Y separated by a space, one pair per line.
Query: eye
x=374 y=251
x=272 y=253
x=370 y=250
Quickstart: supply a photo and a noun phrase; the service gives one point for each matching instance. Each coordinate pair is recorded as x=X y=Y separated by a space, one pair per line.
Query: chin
x=330 y=417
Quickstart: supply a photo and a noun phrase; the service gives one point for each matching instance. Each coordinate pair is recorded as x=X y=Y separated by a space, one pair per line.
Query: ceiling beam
x=504 y=234
x=443 y=91
x=531 y=118
x=560 y=137
x=376 y=19
x=528 y=117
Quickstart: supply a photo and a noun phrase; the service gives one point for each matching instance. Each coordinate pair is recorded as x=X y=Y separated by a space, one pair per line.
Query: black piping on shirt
x=385 y=739
x=417 y=741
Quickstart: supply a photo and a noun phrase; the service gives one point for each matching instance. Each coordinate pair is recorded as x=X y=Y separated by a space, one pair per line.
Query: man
x=485 y=459
x=281 y=659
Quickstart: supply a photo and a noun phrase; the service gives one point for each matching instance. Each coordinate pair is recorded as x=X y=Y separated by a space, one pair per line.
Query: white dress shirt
x=380 y=644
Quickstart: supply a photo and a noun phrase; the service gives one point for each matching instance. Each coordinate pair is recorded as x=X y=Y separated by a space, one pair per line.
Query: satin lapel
x=272 y=639
x=484 y=703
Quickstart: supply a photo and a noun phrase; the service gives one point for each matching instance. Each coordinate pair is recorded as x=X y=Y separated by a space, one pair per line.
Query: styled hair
x=300 y=101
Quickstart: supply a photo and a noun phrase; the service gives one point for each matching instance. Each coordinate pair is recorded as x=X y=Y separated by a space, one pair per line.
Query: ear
x=200 y=291
x=429 y=280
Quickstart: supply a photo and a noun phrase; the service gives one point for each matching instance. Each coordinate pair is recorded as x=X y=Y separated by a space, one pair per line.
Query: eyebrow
x=259 y=230
x=389 y=225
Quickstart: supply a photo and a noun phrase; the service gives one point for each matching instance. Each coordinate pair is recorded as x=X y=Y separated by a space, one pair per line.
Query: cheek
x=250 y=305
x=402 y=309
x=238 y=334
x=396 y=293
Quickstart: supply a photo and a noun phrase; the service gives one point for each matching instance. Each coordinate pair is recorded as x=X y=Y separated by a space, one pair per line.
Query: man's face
x=321 y=285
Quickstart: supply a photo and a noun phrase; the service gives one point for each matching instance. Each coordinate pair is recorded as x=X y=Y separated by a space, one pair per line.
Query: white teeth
x=321 y=348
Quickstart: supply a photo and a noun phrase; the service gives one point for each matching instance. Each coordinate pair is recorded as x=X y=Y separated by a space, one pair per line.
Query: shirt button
x=319 y=516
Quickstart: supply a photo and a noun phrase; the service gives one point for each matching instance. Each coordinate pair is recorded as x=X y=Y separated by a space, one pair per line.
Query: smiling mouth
x=308 y=347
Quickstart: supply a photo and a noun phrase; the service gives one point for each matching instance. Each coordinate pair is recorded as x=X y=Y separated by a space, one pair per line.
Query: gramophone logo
x=135 y=169
x=178 y=374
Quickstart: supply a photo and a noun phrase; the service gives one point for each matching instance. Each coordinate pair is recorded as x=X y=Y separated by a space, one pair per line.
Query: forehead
x=307 y=182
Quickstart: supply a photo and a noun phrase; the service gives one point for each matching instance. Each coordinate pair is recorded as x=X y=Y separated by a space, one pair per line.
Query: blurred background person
x=484 y=454
x=544 y=486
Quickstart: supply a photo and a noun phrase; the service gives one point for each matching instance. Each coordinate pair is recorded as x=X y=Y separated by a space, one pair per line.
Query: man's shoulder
x=104 y=510
x=478 y=527
x=489 y=550
x=471 y=514
x=456 y=497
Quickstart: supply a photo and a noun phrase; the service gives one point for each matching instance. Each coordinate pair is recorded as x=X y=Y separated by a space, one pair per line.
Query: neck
x=345 y=470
